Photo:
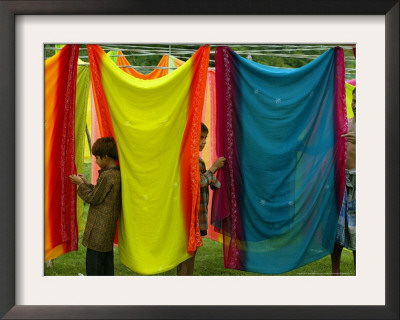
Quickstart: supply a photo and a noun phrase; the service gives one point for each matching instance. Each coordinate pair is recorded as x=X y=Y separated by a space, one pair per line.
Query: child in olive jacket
x=105 y=206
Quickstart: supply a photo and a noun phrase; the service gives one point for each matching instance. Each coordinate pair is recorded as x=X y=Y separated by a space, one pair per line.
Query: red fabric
x=62 y=234
x=100 y=101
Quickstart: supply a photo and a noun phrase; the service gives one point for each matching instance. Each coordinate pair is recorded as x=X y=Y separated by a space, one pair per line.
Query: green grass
x=209 y=261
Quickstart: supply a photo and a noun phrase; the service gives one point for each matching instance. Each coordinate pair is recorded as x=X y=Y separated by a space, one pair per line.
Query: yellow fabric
x=149 y=119
x=82 y=92
x=349 y=98
x=88 y=155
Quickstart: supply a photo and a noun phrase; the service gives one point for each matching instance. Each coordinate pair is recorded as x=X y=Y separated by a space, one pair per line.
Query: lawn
x=209 y=261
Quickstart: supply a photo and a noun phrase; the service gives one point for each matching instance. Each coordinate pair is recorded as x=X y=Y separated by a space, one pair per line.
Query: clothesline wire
x=350 y=71
x=301 y=56
x=283 y=47
x=277 y=50
x=311 y=57
x=147 y=50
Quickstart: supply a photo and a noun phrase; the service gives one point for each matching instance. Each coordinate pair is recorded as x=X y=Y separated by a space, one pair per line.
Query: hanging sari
x=156 y=124
x=283 y=182
x=61 y=230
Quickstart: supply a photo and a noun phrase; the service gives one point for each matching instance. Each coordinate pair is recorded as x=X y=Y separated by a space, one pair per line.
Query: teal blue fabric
x=283 y=168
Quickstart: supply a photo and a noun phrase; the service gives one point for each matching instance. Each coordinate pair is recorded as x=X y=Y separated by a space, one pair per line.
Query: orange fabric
x=189 y=153
x=178 y=62
x=102 y=110
x=156 y=73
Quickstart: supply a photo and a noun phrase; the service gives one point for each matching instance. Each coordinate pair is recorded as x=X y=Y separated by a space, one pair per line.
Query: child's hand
x=82 y=176
x=218 y=164
x=351 y=136
x=75 y=179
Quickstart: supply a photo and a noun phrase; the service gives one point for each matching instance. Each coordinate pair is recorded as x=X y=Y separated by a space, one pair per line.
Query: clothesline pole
x=88 y=139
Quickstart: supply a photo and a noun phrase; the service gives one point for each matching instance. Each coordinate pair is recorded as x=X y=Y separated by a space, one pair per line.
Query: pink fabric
x=341 y=124
x=95 y=135
x=225 y=89
x=213 y=233
x=352 y=82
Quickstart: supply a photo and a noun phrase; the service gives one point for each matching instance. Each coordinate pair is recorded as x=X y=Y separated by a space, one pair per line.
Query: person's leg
x=186 y=267
x=94 y=263
x=351 y=213
x=181 y=269
x=341 y=237
x=109 y=263
x=191 y=265
x=335 y=259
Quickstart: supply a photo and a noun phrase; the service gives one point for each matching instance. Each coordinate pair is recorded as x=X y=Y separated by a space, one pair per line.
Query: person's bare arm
x=351 y=136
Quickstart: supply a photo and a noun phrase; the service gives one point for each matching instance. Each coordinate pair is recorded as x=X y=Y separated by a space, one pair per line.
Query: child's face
x=353 y=103
x=101 y=162
x=203 y=138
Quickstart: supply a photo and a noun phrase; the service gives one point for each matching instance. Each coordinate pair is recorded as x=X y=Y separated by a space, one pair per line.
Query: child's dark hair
x=105 y=147
x=204 y=128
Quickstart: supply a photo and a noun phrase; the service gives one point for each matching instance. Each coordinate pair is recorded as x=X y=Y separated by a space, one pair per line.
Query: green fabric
x=59 y=47
x=113 y=53
x=171 y=64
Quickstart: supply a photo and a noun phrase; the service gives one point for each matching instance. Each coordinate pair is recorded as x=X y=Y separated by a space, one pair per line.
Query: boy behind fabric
x=346 y=226
x=105 y=206
x=207 y=178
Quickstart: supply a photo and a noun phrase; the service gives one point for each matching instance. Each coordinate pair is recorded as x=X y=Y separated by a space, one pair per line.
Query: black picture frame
x=8 y=11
